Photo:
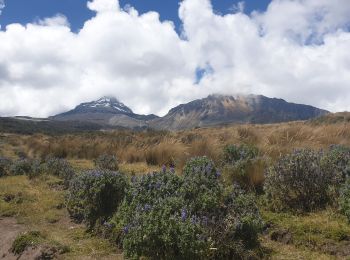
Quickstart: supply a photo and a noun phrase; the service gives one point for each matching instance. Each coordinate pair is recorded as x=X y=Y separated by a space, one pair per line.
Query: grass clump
x=23 y=241
x=243 y=165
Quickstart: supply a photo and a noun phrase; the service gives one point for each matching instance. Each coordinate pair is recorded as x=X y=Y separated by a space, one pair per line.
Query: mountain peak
x=107 y=102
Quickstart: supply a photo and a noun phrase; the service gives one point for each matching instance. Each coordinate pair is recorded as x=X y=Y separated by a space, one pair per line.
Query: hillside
x=220 y=110
x=210 y=111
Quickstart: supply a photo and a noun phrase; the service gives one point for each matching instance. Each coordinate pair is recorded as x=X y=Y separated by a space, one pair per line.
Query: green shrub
x=233 y=153
x=300 y=181
x=37 y=169
x=5 y=165
x=165 y=216
x=107 y=162
x=344 y=201
x=94 y=196
x=337 y=160
x=244 y=166
x=21 y=167
x=23 y=241
x=60 y=168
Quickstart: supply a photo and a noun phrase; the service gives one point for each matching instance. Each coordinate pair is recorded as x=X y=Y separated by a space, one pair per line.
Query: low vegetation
x=89 y=196
x=166 y=216
x=245 y=193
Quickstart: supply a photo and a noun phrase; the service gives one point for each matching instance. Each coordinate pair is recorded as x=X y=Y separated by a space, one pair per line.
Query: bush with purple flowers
x=166 y=216
x=107 y=162
x=94 y=196
x=305 y=180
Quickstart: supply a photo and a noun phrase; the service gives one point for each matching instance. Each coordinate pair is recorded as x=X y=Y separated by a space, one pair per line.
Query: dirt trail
x=9 y=229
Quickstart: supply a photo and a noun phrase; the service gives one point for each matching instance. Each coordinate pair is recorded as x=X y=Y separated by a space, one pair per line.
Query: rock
x=282 y=236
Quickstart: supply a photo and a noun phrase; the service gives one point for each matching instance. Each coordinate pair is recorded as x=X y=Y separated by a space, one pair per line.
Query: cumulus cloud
x=297 y=50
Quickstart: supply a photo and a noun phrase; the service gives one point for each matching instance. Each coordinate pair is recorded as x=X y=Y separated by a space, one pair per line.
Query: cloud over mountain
x=297 y=50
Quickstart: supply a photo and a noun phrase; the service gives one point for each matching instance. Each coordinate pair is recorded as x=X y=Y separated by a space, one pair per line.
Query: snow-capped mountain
x=109 y=103
x=106 y=111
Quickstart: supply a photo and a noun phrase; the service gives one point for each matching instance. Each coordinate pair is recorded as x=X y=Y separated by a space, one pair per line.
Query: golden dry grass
x=158 y=148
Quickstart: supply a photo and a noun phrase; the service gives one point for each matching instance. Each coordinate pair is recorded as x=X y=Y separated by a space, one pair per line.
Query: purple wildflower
x=163 y=169
x=133 y=179
x=126 y=229
x=183 y=214
x=147 y=207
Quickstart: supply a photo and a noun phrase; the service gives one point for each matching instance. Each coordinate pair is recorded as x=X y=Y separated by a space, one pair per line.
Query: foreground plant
x=165 y=216
x=94 y=196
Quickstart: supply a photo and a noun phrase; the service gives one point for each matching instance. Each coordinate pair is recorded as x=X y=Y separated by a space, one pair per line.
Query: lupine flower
x=164 y=169
x=133 y=179
x=205 y=221
x=183 y=214
x=147 y=207
x=126 y=229
x=172 y=169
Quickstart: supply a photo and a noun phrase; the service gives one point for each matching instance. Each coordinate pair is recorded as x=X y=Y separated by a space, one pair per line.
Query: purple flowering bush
x=166 y=216
x=305 y=180
x=94 y=196
x=107 y=162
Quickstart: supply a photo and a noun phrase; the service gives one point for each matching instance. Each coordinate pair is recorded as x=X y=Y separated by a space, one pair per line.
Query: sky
x=153 y=55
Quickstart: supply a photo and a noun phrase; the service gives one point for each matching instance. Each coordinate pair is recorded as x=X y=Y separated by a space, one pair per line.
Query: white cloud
x=297 y=50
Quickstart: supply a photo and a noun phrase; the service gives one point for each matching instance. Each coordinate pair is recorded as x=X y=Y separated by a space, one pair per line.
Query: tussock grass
x=158 y=148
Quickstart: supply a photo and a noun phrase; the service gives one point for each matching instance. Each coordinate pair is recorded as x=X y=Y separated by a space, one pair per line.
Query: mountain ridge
x=216 y=109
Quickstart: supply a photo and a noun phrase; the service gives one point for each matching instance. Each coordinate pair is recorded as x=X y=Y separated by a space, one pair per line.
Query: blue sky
x=26 y=11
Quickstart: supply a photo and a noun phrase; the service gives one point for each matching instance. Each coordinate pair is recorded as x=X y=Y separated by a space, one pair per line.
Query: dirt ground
x=9 y=229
